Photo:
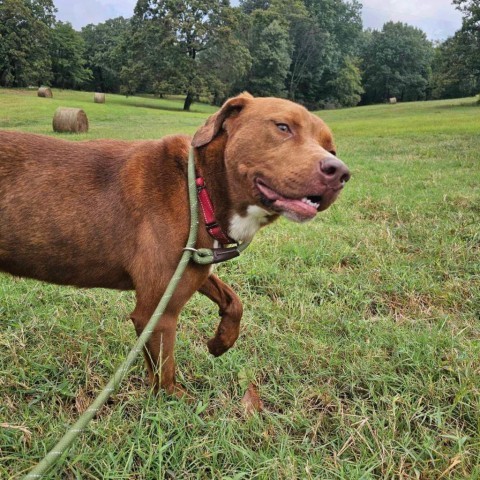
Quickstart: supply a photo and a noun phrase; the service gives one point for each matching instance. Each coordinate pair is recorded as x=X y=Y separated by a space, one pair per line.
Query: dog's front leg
x=230 y=309
x=159 y=350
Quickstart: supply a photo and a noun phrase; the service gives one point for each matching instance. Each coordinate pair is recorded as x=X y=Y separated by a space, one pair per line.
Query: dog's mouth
x=297 y=209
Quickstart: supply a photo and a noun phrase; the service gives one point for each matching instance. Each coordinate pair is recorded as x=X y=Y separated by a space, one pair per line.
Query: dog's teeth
x=309 y=202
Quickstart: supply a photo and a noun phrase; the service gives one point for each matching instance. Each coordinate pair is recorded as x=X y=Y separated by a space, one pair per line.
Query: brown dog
x=115 y=214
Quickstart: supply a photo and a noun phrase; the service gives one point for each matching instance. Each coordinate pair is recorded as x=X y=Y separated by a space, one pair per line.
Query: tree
x=453 y=75
x=321 y=39
x=469 y=38
x=397 y=63
x=43 y=10
x=249 y=6
x=147 y=52
x=228 y=60
x=471 y=11
x=105 y=52
x=341 y=20
x=183 y=30
x=24 y=42
x=339 y=28
x=347 y=84
x=68 y=57
x=308 y=57
x=271 y=55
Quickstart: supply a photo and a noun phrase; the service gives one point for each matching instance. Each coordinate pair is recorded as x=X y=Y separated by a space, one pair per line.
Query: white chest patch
x=244 y=228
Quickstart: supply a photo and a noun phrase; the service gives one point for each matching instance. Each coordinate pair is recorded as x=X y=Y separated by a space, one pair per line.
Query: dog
x=115 y=214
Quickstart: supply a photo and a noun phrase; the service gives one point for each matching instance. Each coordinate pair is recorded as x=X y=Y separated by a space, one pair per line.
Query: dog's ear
x=214 y=124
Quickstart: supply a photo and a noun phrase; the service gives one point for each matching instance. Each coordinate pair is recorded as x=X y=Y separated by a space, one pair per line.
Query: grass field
x=361 y=329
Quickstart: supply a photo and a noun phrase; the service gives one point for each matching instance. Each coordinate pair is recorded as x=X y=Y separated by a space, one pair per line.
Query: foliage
x=310 y=51
x=144 y=50
x=454 y=75
x=471 y=11
x=342 y=21
x=396 y=63
x=456 y=67
x=103 y=48
x=309 y=57
x=211 y=49
x=181 y=30
x=340 y=25
x=228 y=60
x=321 y=34
x=68 y=57
x=25 y=37
x=468 y=40
x=269 y=46
x=347 y=84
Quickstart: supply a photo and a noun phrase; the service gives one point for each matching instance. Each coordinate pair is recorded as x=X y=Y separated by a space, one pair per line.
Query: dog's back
x=64 y=217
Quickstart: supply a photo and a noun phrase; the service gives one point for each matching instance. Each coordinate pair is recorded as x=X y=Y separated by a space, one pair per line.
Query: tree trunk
x=188 y=102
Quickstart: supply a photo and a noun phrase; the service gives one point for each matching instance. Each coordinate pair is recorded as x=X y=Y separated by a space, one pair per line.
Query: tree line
x=315 y=52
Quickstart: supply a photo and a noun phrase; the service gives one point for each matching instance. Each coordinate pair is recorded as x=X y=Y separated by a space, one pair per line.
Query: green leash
x=203 y=256
x=207 y=256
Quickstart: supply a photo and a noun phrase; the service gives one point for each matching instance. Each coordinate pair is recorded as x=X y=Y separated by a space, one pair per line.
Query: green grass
x=121 y=117
x=361 y=328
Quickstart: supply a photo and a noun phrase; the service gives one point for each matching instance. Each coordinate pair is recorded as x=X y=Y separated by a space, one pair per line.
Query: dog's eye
x=283 y=127
x=333 y=152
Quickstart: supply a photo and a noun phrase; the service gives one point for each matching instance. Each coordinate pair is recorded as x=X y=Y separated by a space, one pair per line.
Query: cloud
x=437 y=18
x=82 y=13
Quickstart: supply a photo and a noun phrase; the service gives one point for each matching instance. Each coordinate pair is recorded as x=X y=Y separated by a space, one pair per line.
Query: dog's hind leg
x=230 y=309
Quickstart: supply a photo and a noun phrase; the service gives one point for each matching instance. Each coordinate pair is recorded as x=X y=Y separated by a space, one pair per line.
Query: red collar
x=213 y=228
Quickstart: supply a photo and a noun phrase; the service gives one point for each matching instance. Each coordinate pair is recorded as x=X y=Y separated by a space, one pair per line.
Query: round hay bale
x=44 y=92
x=99 y=97
x=392 y=100
x=73 y=120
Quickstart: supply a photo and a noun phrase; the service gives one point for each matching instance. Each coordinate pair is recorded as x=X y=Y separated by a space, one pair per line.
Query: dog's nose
x=334 y=170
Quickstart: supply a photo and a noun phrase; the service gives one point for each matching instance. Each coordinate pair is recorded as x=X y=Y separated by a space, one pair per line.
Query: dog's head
x=278 y=156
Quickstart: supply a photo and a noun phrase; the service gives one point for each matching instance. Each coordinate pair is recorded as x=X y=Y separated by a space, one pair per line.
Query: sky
x=437 y=18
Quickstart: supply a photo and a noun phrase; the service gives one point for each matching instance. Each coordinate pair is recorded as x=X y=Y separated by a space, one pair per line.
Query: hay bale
x=99 y=97
x=73 y=120
x=392 y=100
x=44 y=92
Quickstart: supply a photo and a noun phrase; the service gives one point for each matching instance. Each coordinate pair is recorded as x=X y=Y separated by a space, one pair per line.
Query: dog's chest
x=243 y=228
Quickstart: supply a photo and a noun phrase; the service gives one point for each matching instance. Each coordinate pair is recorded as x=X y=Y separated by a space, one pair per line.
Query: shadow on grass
x=128 y=103
x=473 y=103
x=149 y=104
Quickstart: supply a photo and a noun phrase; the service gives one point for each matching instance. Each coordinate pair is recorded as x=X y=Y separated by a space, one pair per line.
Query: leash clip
x=207 y=256
x=224 y=254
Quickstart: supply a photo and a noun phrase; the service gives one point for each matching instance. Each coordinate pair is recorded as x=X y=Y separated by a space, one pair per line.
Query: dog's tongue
x=298 y=207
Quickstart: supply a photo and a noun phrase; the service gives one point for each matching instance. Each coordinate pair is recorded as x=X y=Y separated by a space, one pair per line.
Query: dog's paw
x=216 y=347
x=180 y=392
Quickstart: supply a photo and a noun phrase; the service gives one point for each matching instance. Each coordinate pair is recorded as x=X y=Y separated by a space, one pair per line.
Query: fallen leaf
x=251 y=401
